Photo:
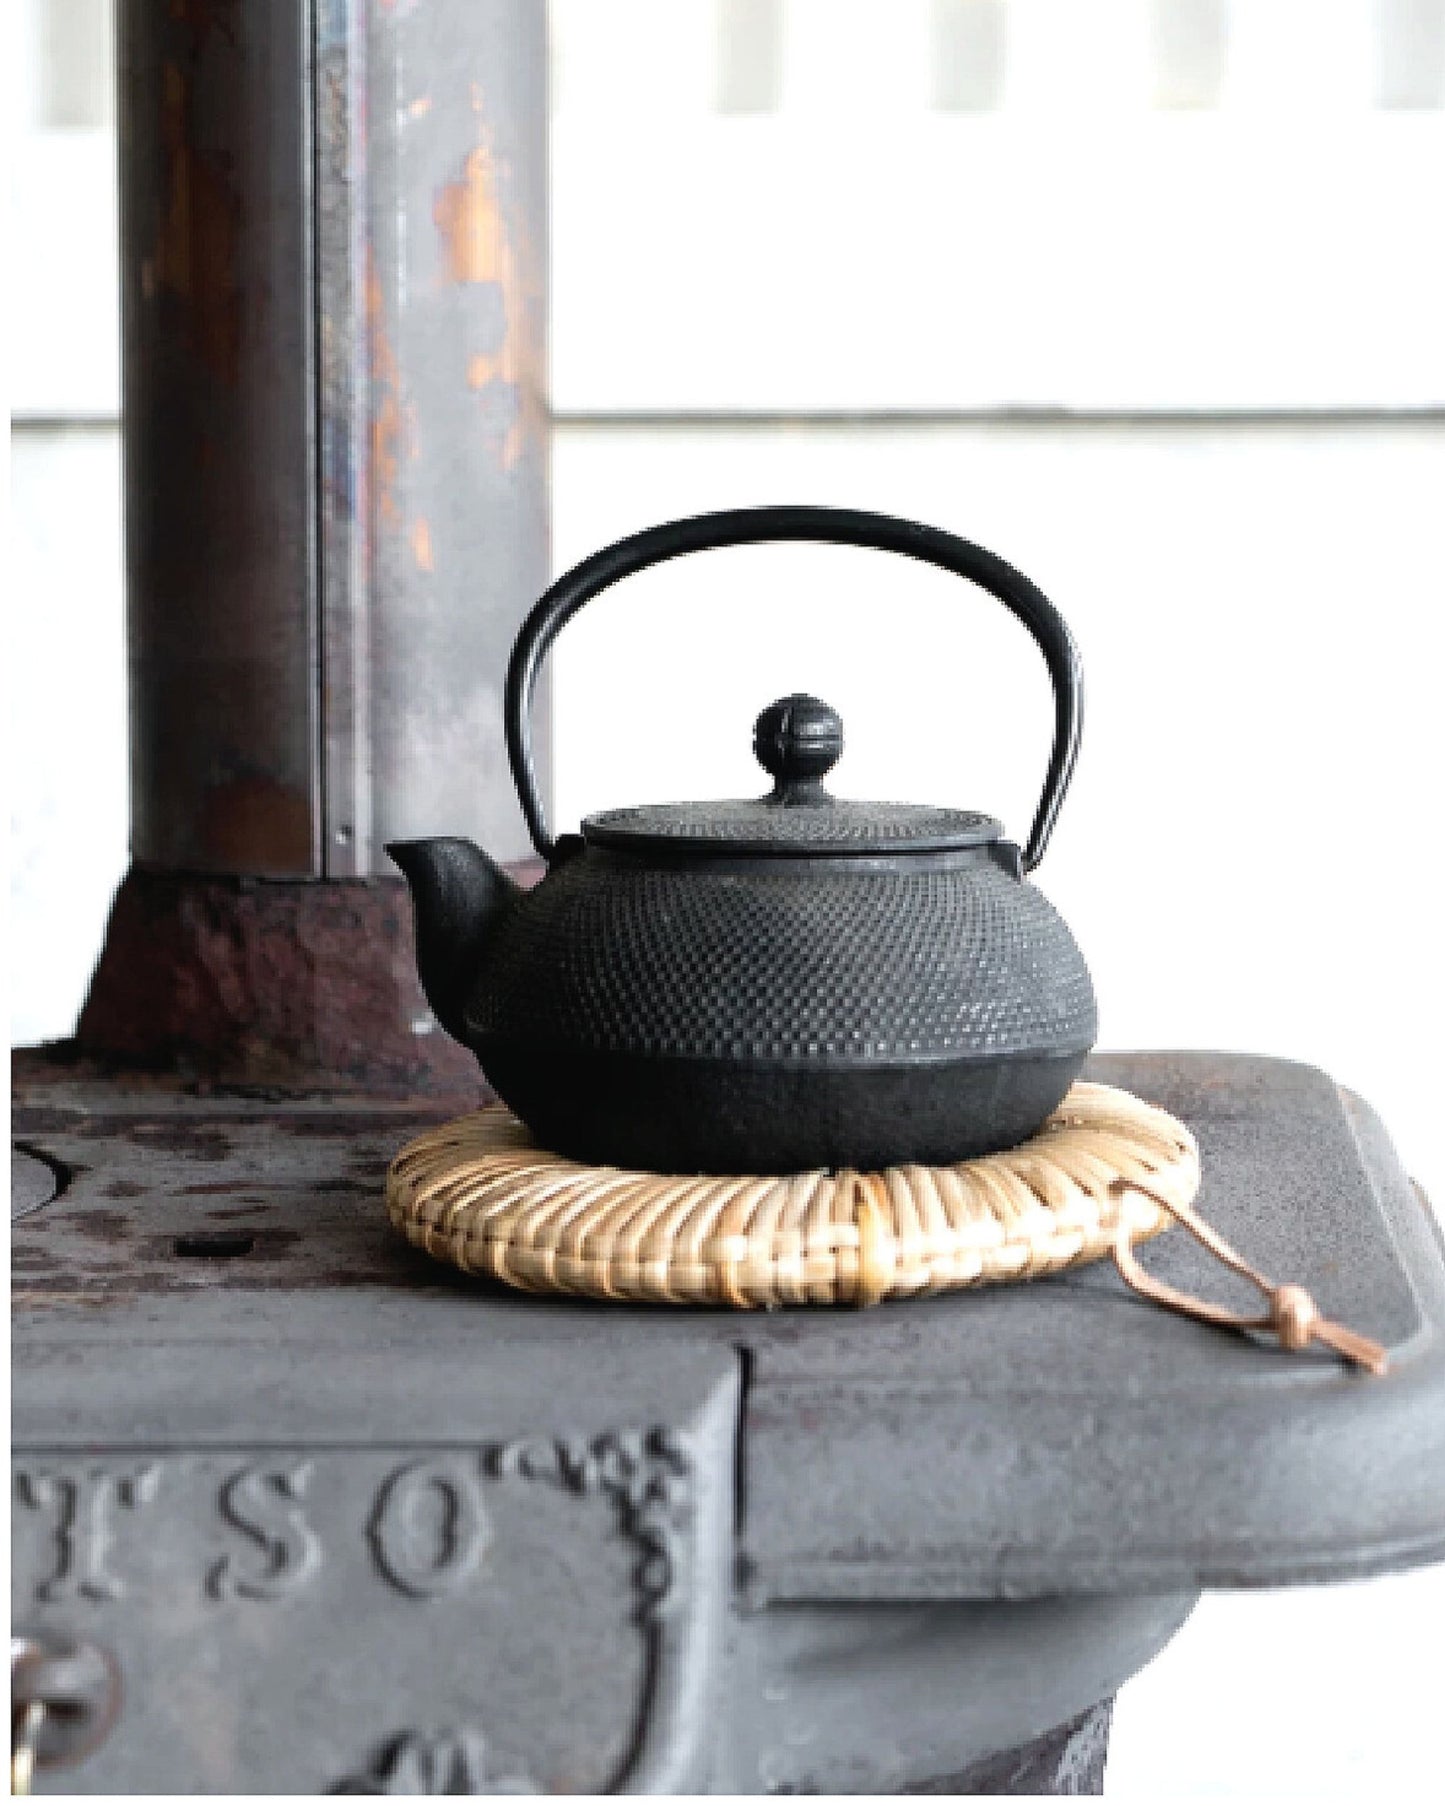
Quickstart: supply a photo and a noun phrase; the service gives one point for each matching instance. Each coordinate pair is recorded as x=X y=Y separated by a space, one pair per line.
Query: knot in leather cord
x=1293 y=1316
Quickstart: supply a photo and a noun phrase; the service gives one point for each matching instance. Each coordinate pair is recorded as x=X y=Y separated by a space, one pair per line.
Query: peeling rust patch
x=40 y=1120
x=32 y=1257
x=194 y=1142
x=287 y=986
x=421 y=549
x=256 y=822
x=213 y=1244
x=328 y=1128
x=480 y=243
x=306 y=1193
x=102 y=1225
x=468 y=217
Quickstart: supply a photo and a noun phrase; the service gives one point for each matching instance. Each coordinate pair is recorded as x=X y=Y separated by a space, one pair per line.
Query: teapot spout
x=458 y=896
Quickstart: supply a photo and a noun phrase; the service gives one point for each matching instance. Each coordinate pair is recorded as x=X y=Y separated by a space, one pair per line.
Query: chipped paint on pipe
x=448 y=520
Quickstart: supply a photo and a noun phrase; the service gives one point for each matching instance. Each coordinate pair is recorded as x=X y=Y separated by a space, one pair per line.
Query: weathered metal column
x=333 y=251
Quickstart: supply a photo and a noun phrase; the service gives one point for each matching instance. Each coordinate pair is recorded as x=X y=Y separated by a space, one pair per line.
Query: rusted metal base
x=292 y=986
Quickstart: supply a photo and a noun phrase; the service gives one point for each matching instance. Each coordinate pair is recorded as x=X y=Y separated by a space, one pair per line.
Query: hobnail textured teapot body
x=777 y=1015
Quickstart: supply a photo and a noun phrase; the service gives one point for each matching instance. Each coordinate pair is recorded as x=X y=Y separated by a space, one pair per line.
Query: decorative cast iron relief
x=85 y=1500
x=425 y=1572
x=425 y=1530
x=434 y=1762
x=264 y=1504
x=647 y=1475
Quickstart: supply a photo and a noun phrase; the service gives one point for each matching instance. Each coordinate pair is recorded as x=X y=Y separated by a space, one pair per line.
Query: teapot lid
x=797 y=740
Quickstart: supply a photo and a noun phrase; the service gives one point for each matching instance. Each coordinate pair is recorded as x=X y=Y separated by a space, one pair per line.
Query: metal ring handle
x=25 y=1723
x=831 y=526
x=65 y=1697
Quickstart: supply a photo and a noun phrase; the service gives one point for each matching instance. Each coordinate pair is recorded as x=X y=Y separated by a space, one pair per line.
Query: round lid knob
x=798 y=740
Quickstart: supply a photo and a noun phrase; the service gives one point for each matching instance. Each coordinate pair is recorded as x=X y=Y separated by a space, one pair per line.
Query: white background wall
x=1253 y=560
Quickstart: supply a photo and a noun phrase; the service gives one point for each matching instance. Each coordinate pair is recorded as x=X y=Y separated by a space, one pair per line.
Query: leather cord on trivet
x=1293 y=1316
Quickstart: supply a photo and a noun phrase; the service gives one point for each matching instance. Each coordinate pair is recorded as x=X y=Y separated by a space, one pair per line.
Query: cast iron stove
x=343 y=1519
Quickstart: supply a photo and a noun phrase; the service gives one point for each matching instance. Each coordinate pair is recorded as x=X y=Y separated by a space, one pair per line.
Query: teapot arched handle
x=831 y=526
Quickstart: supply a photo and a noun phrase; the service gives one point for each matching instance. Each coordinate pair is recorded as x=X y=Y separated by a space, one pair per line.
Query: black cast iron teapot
x=771 y=985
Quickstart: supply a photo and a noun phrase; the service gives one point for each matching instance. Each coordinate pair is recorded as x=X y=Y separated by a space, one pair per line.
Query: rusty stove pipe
x=336 y=446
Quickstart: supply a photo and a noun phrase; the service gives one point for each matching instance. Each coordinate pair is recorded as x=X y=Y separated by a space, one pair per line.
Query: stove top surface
x=219 y=1270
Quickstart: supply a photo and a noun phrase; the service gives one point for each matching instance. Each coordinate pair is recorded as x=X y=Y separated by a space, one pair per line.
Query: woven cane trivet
x=1106 y=1171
